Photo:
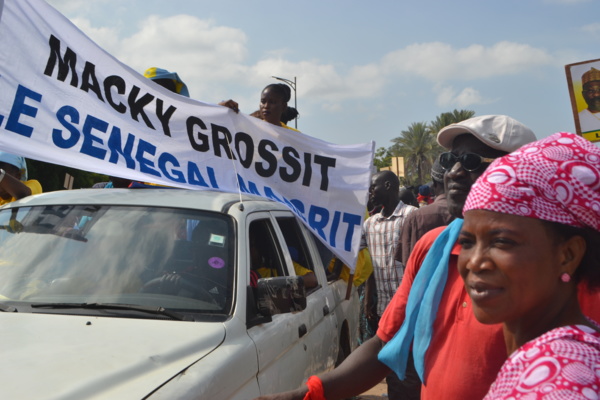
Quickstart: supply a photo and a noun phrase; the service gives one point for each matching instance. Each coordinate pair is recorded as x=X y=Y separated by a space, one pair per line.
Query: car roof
x=175 y=198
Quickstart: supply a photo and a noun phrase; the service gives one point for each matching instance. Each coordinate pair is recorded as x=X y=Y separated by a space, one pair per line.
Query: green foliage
x=447 y=118
x=383 y=158
x=52 y=176
x=419 y=147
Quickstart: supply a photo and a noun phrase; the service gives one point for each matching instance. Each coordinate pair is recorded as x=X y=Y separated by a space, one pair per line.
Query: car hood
x=73 y=357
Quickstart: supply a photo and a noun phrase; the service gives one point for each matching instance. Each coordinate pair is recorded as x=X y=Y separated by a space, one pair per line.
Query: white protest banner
x=66 y=101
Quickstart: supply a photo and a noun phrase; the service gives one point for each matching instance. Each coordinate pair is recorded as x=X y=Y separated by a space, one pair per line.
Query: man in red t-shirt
x=464 y=356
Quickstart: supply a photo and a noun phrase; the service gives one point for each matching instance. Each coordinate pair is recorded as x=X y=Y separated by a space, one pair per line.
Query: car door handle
x=302 y=330
x=325 y=310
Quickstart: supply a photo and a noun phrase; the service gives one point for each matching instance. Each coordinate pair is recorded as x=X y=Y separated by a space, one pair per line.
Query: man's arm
x=358 y=373
x=371 y=298
x=310 y=279
x=407 y=239
x=14 y=187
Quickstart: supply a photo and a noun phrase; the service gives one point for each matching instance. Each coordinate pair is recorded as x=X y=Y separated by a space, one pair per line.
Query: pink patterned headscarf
x=554 y=179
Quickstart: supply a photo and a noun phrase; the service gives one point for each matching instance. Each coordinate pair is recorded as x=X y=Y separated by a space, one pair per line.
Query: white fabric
x=85 y=117
x=588 y=121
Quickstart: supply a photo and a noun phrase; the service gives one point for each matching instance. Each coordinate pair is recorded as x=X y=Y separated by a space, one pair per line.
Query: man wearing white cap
x=14 y=184
x=457 y=356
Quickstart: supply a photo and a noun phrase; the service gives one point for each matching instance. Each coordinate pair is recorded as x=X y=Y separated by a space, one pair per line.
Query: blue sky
x=365 y=70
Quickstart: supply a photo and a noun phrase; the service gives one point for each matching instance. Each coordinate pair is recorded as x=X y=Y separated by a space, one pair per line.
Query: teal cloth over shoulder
x=422 y=306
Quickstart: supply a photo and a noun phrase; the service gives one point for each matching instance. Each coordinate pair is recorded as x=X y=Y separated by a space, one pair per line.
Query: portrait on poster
x=583 y=79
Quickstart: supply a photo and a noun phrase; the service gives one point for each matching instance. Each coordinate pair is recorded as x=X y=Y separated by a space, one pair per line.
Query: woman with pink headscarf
x=531 y=233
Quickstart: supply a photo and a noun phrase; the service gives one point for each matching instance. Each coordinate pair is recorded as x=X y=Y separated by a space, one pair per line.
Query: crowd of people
x=448 y=298
x=498 y=293
x=485 y=285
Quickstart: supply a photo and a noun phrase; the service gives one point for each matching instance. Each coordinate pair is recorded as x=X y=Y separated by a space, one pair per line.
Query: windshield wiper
x=115 y=306
x=7 y=308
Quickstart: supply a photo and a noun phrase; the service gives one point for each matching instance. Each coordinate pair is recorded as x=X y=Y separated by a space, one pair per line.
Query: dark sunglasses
x=469 y=161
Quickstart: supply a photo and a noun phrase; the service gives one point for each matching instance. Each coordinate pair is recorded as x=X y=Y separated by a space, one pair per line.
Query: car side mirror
x=281 y=295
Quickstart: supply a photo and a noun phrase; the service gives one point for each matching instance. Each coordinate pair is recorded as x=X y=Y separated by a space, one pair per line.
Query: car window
x=295 y=242
x=327 y=259
x=151 y=256
x=265 y=254
x=304 y=265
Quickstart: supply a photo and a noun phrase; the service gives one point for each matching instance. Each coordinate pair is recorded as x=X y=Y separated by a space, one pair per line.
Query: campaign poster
x=583 y=79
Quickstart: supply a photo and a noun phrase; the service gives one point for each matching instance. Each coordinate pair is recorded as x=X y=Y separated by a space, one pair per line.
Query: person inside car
x=259 y=265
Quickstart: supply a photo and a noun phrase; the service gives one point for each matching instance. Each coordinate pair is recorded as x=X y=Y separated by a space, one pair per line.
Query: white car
x=148 y=293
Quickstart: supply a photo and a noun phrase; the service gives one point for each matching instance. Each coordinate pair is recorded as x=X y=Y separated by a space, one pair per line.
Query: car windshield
x=173 y=259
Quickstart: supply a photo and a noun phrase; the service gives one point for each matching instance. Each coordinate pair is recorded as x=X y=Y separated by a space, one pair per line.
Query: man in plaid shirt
x=382 y=233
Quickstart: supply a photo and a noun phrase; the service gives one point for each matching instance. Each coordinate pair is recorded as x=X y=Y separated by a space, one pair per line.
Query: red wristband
x=315 y=389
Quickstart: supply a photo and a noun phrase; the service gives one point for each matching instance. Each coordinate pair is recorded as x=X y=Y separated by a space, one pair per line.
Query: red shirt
x=464 y=355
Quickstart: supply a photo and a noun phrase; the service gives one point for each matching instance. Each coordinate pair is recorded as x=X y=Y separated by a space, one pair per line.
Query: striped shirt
x=382 y=237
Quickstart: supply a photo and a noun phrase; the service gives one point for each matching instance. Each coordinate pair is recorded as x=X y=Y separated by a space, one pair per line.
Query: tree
x=383 y=158
x=419 y=148
x=418 y=145
x=461 y=115
x=447 y=118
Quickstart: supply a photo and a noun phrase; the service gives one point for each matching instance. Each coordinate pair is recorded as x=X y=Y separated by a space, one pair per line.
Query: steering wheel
x=172 y=283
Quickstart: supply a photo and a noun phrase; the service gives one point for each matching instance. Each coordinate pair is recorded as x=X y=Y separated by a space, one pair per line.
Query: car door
x=321 y=340
x=280 y=352
x=289 y=348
